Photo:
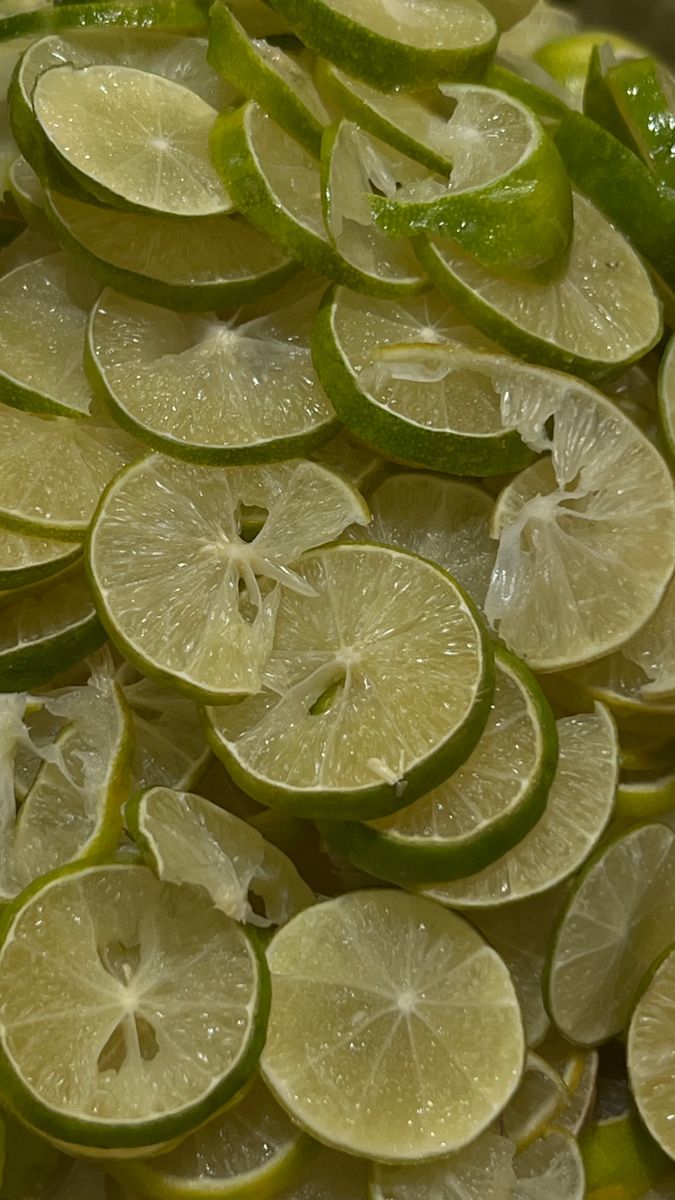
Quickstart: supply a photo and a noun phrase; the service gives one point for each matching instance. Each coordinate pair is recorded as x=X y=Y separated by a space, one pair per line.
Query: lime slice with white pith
x=170 y=748
x=380 y=986
x=482 y=810
x=281 y=83
x=158 y=161
x=617 y=922
x=392 y=45
x=252 y=1151
x=378 y=685
x=183 y=263
x=602 y=506
x=29 y=560
x=578 y=810
x=190 y=840
x=411 y=378
x=46 y=631
x=202 y=612
x=259 y=397
x=650 y=1037
x=483 y=1169
x=94 y=1026
x=601 y=314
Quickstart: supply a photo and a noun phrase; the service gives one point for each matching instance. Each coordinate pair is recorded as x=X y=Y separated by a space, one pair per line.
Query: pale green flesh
x=170 y=745
x=59 y=607
x=483 y=1171
x=425 y=25
x=18 y=553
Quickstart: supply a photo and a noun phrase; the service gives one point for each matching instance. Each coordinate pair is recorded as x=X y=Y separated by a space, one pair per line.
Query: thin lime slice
x=616 y=682
x=53 y=470
x=108 y=1038
x=169 y=741
x=157 y=162
x=652 y=650
x=544 y=23
x=378 y=685
x=551 y=1168
x=184 y=263
x=520 y=933
x=482 y=810
x=73 y=808
x=189 y=840
x=534 y=1107
x=27 y=193
x=578 y=810
x=645 y=797
x=508 y=200
x=666 y=394
x=602 y=506
x=186 y=16
x=44 y=307
x=346 y=455
x=483 y=1171
x=29 y=560
x=380 y=986
x=259 y=397
x=601 y=314
x=442 y=519
x=617 y=922
x=252 y=1151
x=390 y=44
x=576 y=1112
x=47 y=631
x=411 y=378
x=281 y=83
x=352 y=163
x=202 y=612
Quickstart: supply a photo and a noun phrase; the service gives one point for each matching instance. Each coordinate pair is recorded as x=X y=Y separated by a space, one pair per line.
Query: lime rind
x=185 y=16
x=27 y=560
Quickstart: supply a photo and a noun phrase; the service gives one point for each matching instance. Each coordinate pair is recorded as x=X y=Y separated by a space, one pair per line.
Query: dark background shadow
x=649 y=21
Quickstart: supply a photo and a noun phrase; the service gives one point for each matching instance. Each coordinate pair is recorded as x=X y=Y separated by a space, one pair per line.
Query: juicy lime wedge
x=46 y=631
x=159 y=163
x=378 y=986
x=203 y=612
x=29 y=560
x=378 y=685
x=601 y=313
x=484 y=1168
x=259 y=397
x=107 y=1038
x=190 y=840
x=578 y=810
x=482 y=810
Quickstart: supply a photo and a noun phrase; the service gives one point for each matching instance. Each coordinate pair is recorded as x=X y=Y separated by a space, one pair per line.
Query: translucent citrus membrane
x=170 y=747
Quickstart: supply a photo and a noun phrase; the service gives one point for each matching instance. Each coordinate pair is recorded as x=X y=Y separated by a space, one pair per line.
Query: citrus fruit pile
x=337 y=629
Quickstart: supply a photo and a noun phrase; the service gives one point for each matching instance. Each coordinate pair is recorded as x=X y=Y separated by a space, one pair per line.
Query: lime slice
x=366 y=703
x=346 y=455
x=520 y=933
x=578 y=810
x=47 y=631
x=645 y=755
x=53 y=470
x=25 y=248
x=666 y=394
x=544 y=23
x=73 y=808
x=184 y=263
x=482 y=810
x=541 y=1095
x=377 y=986
x=617 y=683
x=652 y=650
x=617 y=922
x=621 y=1159
x=259 y=397
x=189 y=840
x=551 y=1168
x=159 y=163
x=252 y=1151
x=645 y=797
x=107 y=1039
x=601 y=314
x=508 y=200
x=30 y=560
x=390 y=44
x=645 y=98
x=352 y=164
x=202 y=613
x=568 y=58
x=530 y=83
x=484 y=1169
x=44 y=307
x=27 y=194
x=579 y=1071
x=170 y=745
x=35 y=19
x=411 y=378
x=442 y=519
x=281 y=83
x=569 y=521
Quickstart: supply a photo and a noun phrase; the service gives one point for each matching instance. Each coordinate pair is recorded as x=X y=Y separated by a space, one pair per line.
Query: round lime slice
x=46 y=631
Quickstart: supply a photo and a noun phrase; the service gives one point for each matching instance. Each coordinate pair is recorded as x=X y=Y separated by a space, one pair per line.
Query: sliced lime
x=29 y=560
x=47 y=631
x=616 y=682
x=190 y=840
x=531 y=84
x=377 y=986
x=535 y=1105
x=482 y=810
x=483 y=1169
x=666 y=393
x=550 y=1168
x=27 y=194
x=346 y=455
x=567 y=59
x=202 y=612
x=169 y=741
x=601 y=314
x=378 y=685
x=646 y=796
x=618 y=920
x=259 y=397
x=392 y=45
x=578 y=810
x=411 y=378
x=599 y=506
x=108 y=1038
x=576 y=1112
x=157 y=162
x=544 y=23
x=35 y=19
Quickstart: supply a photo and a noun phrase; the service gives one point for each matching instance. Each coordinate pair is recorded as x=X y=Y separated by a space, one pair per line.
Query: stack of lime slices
x=337 y=555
